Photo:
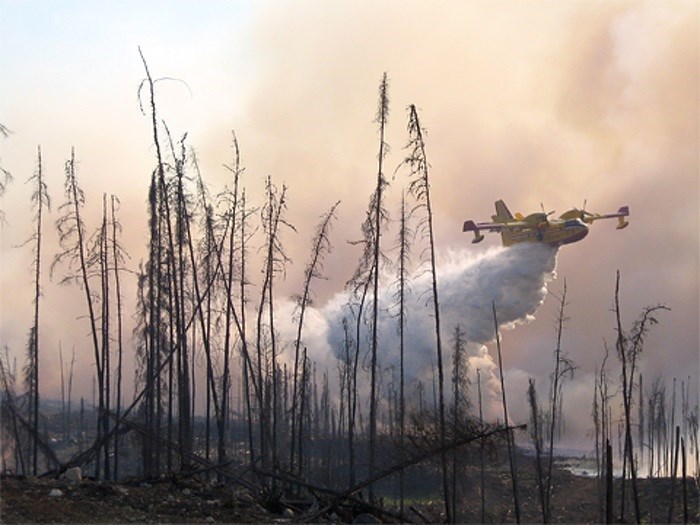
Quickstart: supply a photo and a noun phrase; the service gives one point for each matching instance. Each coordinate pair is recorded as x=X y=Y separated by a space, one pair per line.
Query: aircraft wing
x=477 y=227
x=623 y=212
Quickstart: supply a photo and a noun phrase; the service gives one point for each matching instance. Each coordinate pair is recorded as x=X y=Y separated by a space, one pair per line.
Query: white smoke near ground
x=514 y=279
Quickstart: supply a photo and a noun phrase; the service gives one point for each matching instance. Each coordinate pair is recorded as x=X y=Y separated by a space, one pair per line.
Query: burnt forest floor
x=574 y=500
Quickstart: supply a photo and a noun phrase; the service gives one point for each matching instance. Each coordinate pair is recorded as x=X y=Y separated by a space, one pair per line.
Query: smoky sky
x=547 y=104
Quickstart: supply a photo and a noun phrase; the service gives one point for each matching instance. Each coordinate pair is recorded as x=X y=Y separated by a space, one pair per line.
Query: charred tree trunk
x=321 y=246
x=509 y=435
x=420 y=188
x=116 y=260
x=71 y=233
x=40 y=198
x=382 y=116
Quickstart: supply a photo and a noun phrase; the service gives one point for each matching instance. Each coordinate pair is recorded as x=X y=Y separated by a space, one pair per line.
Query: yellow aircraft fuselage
x=553 y=233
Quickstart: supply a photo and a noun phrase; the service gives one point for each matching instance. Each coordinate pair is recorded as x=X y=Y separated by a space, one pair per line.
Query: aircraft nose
x=583 y=231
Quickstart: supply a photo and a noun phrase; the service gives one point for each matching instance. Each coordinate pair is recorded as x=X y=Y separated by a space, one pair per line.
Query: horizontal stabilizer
x=471 y=226
x=623 y=212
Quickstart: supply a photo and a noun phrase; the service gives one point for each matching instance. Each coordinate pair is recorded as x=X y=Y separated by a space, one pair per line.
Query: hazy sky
x=532 y=102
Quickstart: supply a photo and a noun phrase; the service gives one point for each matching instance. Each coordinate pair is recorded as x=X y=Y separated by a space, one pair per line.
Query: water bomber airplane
x=571 y=226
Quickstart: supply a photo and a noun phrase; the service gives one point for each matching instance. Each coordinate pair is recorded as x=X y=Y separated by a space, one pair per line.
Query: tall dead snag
x=237 y=171
x=365 y=280
x=563 y=368
x=154 y=332
x=417 y=161
x=404 y=244
x=272 y=217
x=118 y=257
x=509 y=435
x=148 y=333
x=99 y=257
x=320 y=247
x=71 y=231
x=248 y=371
x=176 y=271
x=629 y=346
x=40 y=199
x=178 y=258
x=377 y=216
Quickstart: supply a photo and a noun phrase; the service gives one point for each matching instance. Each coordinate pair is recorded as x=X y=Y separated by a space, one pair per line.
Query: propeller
x=585 y=213
x=547 y=214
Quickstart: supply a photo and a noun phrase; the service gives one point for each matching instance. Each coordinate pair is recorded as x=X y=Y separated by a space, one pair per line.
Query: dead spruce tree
x=119 y=256
x=377 y=216
x=157 y=338
x=460 y=401
x=71 y=231
x=230 y=312
x=419 y=187
x=209 y=320
x=563 y=369
x=40 y=200
x=220 y=264
x=98 y=258
x=364 y=282
x=314 y=270
x=175 y=264
x=404 y=239
x=180 y=274
x=249 y=378
x=272 y=218
x=509 y=434
x=629 y=346
x=149 y=335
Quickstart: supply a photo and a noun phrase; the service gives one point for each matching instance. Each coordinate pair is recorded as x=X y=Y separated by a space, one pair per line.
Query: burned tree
x=377 y=219
x=629 y=346
x=563 y=369
x=364 y=282
x=71 y=230
x=321 y=246
x=417 y=161
x=40 y=199
x=404 y=238
x=272 y=217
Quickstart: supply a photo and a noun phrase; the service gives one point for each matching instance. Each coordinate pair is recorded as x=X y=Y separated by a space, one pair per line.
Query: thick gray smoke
x=514 y=278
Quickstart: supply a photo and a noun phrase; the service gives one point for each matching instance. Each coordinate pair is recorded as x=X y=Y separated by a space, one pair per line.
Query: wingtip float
x=571 y=226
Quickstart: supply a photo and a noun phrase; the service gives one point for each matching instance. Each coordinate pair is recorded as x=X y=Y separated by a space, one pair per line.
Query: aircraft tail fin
x=503 y=214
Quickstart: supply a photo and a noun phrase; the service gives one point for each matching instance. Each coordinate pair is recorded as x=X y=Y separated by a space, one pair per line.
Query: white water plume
x=514 y=278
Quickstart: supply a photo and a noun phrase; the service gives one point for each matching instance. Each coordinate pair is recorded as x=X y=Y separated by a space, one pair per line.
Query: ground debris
x=168 y=500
